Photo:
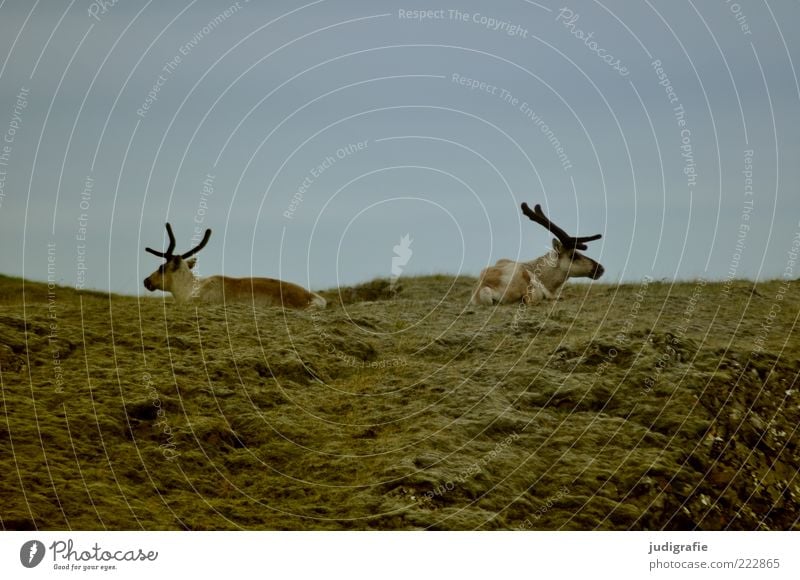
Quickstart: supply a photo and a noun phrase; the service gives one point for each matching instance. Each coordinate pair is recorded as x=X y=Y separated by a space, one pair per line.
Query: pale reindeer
x=508 y=281
x=175 y=276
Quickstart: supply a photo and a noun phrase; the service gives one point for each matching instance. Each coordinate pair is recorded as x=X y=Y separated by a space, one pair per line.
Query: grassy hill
x=640 y=406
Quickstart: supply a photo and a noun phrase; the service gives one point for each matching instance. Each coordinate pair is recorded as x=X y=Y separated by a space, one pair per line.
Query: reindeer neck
x=547 y=269
x=184 y=292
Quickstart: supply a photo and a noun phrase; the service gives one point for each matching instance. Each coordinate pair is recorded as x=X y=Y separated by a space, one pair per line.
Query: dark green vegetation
x=617 y=407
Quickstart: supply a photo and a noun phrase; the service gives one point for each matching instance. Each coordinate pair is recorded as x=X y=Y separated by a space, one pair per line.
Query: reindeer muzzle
x=598 y=271
x=148 y=284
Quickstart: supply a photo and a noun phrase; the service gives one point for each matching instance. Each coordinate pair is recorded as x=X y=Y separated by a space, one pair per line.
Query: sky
x=313 y=137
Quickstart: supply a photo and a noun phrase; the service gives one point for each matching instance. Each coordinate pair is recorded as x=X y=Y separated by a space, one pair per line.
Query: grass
x=638 y=406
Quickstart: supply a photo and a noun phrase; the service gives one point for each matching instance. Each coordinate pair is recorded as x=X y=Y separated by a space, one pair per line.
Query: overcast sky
x=312 y=137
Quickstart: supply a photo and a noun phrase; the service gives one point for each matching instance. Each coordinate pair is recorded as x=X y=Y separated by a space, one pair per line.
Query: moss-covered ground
x=649 y=405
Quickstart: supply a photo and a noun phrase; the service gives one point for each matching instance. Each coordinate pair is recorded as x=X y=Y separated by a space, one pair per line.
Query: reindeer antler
x=168 y=255
x=199 y=246
x=569 y=242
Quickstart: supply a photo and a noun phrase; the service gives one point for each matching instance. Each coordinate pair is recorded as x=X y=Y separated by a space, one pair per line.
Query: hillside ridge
x=649 y=405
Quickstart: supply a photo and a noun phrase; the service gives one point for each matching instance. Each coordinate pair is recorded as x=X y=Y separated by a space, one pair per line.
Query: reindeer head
x=175 y=274
x=566 y=247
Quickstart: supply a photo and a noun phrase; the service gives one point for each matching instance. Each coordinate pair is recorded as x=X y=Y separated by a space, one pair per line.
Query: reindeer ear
x=191 y=263
x=558 y=246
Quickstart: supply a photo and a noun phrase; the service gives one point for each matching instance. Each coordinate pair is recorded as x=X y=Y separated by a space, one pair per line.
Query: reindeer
x=508 y=281
x=175 y=276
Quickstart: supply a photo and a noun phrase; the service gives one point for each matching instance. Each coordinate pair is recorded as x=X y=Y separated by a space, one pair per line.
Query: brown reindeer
x=508 y=281
x=175 y=276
